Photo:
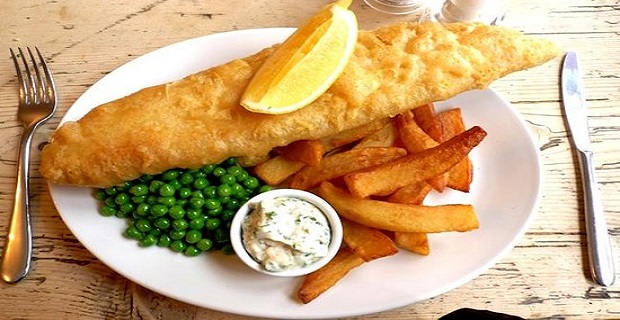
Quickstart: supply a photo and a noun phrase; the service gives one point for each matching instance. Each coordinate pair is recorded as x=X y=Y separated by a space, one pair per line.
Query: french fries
x=319 y=281
x=416 y=140
x=377 y=177
x=355 y=134
x=387 y=178
x=309 y=152
x=339 y=164
x=427 y=118
x=369 y=243
x=414 y=193
x=461 y=175
x=277 y=169
x=415 y=242
x=386 y=137
x=400 y=217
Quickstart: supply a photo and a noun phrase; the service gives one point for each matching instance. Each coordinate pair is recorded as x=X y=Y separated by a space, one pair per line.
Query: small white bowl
x=236 y=237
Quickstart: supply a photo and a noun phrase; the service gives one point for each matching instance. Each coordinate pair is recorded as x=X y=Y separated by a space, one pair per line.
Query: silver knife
x=598 y=244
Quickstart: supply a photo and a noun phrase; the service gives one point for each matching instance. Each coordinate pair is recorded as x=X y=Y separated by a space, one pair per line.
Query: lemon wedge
x=306 y=64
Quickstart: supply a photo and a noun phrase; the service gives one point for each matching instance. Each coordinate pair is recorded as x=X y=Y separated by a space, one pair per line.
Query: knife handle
x=597 y=236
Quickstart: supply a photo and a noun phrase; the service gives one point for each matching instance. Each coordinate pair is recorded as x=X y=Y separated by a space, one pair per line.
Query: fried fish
x=198 y=120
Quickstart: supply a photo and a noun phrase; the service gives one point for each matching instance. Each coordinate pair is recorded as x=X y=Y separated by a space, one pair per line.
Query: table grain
x=544 y=277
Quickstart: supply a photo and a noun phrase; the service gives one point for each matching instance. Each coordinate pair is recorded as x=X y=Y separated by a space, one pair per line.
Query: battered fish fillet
x=198 y=120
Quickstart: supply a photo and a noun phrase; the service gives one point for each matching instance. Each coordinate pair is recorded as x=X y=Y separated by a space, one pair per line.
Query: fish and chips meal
x=372 y=145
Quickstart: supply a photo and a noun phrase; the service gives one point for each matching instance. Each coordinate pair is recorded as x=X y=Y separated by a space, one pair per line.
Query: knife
x=598 y=244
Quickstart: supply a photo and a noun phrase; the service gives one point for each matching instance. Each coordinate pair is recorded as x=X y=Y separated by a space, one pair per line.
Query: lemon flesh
x=306 y=64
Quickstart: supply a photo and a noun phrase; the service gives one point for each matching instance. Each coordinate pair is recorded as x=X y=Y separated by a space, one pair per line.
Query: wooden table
x=544 y=277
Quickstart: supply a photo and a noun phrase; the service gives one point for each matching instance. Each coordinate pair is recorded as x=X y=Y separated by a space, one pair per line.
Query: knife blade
x=598 y=245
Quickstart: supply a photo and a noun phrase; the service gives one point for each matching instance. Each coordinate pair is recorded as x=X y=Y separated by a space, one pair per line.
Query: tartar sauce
x=286 y=233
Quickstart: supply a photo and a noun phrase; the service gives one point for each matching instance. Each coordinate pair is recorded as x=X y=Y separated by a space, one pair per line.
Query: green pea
x=177 y=234
x=228 y=215
x=124 y=186
x=167 y=201
x=231 y=162
x=151 y=199
x=212 y=223
x=224 y=190
x=121 y=198
x=241 y=194
x=224 y=200
x=235 y=170
x=227 y=179
x=242 y=176
x=218 y=171
x=232 y=204
x=107 y=211
x=143 y=225
x=155 y=185
x=265 y=188
x=111 y=191
x=176 y=212
x=164 y=240
x=178 y=246
x=210 y=192
x=159 y=210
x=197 y=224
x=162 y=223
x=193 y=213
x=139 y=190
x=198 y=174
x=148 y=241
x=127 y=207
x=146 y=178
x=197 y=194
x=184 y=192
x=156 y=232
x=191 y=251
x=208 y=169
x=204 y=244
x=212 y=204
x=193 y=236
x=170 y=174
x=143 y=209
x=100 y=194
x=121 y=214
x=166 y=190
x=133 y=233
x=236 y=188
x=214 y=212
x=139 y=199
x=196 y=203
x=176 y=184
x=180 y=224
x=186 y=178
x=251 y=183
x=201 y=183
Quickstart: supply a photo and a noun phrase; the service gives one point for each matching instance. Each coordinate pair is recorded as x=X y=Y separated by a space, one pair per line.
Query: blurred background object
x=485 y=11
x=401 y=6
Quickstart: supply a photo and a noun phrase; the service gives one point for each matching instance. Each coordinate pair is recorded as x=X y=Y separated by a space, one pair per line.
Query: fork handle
x=18 y=248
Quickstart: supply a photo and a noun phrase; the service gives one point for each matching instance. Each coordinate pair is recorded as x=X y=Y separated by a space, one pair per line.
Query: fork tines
x=34 y=87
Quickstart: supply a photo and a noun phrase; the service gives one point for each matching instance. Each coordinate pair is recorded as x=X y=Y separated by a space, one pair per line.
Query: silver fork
x=37 y=103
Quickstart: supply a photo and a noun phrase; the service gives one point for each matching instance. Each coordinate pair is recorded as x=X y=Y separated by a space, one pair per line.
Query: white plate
x=505 y=194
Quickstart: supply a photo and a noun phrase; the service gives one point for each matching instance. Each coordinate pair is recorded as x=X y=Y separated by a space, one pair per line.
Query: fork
x=37 y=103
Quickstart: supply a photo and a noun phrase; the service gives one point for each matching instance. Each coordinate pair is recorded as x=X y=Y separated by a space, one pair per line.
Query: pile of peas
x=188 y=211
